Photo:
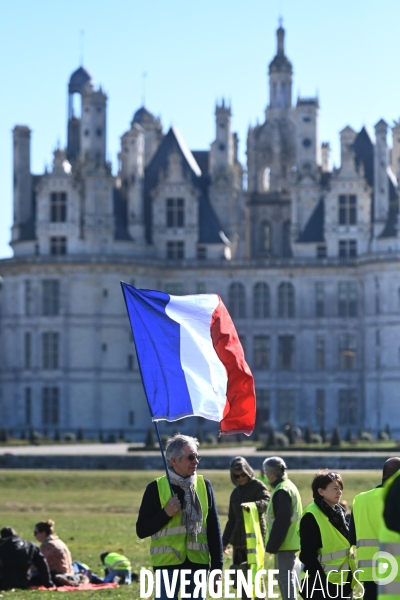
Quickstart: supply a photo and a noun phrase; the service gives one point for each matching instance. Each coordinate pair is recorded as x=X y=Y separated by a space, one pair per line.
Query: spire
x=280 y=34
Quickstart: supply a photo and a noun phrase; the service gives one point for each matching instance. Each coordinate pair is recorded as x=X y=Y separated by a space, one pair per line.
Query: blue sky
x=194 y=53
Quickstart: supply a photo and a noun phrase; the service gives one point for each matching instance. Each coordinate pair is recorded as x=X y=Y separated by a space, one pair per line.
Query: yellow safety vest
x=334 y=555
x=114 y=561
x=292 y=540
x=170 y=546
x=367 y=514
x=389 y=541
x=254 y=540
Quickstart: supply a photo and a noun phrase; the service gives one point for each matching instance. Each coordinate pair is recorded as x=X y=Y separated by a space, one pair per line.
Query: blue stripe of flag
x=157 y=339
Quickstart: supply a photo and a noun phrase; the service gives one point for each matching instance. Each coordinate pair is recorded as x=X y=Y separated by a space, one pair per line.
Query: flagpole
x=164 y=459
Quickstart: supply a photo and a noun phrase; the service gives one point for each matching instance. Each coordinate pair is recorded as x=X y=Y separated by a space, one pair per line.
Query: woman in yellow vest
x=324 y=548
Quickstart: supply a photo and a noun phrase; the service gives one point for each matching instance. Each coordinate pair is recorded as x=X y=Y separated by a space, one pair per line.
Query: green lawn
x=96 y=511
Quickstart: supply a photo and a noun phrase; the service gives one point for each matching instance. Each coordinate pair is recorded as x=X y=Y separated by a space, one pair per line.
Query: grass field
x=96 y=511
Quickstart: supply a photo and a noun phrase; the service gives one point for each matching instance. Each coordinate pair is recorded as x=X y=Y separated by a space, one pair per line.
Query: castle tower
x=22 y=178
x=307 y=136
x=381 y=182
x=79 y=79
x=152 y=132
x=280 y=76
x=396 y=149
x=93 y=125
x=222 y=149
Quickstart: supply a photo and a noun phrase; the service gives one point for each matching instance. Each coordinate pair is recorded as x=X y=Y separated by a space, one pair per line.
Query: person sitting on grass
x=117 y=568
x=57 y=554
x=17 y=557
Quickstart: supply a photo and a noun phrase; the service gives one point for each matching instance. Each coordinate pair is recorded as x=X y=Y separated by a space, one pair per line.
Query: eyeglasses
x=240 y=475
x=193 y=457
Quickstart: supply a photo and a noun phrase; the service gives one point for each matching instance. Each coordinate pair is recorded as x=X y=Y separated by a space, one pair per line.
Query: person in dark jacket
x=327 y=487
x=186 y=505
x=247 y=489
x=17 y=556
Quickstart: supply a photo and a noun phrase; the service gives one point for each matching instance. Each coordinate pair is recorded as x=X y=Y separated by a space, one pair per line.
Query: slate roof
x=364 y=154
x=314 y=230
x=78 y=80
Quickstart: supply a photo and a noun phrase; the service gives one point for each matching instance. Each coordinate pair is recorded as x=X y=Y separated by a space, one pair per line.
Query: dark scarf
x=336 y=515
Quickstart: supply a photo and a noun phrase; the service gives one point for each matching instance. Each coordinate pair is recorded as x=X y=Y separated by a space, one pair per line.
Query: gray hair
x=175 y=446
x=275 y=465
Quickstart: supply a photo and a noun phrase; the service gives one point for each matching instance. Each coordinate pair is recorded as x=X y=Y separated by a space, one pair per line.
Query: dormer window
x=58 y=207
x=175 y=212
x=347 y=209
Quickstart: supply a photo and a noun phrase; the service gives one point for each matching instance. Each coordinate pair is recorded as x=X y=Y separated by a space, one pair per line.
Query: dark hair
x=46 y=526
x=322 y=479
x=7 y=532
x=103 y=555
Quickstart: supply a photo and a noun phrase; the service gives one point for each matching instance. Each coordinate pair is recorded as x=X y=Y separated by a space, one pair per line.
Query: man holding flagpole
x=184 y=529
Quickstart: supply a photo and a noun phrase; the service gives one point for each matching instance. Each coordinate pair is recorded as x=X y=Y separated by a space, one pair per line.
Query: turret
x=347 y=138
x=396 y=149
x=22 y=177
x=93 y=125
x=307 y=135
x=326 y=157
x=152 y=132
x=280 y=76
x=381 y=163
x=222 y=149
x=79 y=79
x=132 y=159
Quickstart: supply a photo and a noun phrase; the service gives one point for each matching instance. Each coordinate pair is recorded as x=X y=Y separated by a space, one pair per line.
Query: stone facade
x=305 y=257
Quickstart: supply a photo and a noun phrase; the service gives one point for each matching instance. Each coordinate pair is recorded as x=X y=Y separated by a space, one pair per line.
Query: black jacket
x=310 y=543
x=253 y=491
x=152 y=518
x=16 y=558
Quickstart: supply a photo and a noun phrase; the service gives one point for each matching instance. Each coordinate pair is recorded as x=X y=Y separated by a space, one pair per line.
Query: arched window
x=261 y=301
x=237 y=301
x=266 y=179
x=286 y=246
x=265 y=239
x=286 y=307
x=283 y=95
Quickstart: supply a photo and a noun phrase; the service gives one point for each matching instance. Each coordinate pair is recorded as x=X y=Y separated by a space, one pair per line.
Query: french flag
x=191 y=360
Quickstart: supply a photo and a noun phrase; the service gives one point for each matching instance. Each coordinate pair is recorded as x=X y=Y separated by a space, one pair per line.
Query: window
x=50 y=406
x=262 y=349
x=201 y=252
x=286 y=352
x=200 y=287
x=347 y=407
x=175 y=250
x=261 y=301
x=58 y=207
x=283 y=95
x=320 y=353
x=265 y=239
x=131 y=417
x=175 y=289
x=266 y=179
x=286 y=246
x=28 y=350
x=50 y=350
x=348 y=299
x=286 y=407
x=263 y=407
x=347 y=248
x=58 y=245
x=175 y=212
x=28 y=405
x=347 y=352
x=319 y=299
x=307 y=142
x=347 y=209
x=320 y=408
x=130 y=362
x=237 y=301
x=286 y=300
x=50 y=297
x=275 y=95
x=28 y=298
x=321 y=251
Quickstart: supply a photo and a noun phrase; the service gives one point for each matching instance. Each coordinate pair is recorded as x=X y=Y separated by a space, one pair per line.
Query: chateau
x=305 y=257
